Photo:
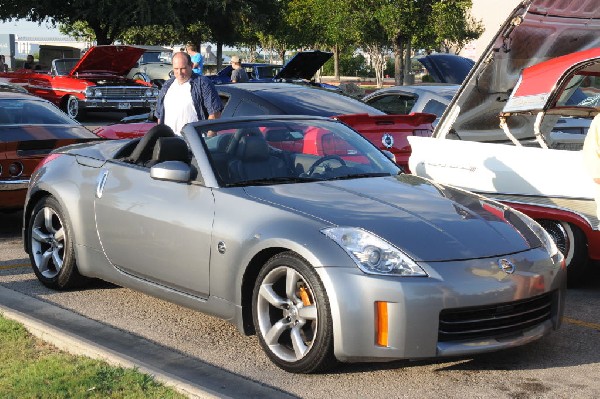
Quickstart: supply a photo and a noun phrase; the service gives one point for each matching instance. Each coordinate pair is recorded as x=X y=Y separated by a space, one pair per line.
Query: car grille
x=493 y=320
x=122 y=92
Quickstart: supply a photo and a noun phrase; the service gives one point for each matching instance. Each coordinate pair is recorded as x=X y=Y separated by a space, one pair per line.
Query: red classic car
x=94 y=82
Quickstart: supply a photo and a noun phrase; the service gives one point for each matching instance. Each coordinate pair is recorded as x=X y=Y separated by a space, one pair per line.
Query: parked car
x=30 y=128
x=388 y=132
x=403 y=100
x=496 y=136
x=94 y=82
x=299 y=69
x=154 y=66
x=568 y=132
x=299 y=230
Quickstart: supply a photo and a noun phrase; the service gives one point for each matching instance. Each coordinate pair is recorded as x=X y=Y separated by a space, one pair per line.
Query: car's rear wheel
x=71 y=107
x=50 y=246
x=292 y=316
x=571 y=241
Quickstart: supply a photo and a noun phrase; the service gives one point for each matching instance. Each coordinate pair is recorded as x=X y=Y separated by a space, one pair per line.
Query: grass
x=31 y=368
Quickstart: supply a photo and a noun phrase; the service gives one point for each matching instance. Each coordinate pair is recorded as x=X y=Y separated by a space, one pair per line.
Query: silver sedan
x=298 y=230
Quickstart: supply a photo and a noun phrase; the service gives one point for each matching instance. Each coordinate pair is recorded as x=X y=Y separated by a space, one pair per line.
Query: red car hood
x=117 y=60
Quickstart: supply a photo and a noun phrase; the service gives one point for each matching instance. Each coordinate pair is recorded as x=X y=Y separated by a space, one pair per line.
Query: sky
x=25 y=28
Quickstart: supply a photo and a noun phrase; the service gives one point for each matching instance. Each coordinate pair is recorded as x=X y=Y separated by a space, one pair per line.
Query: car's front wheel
x=50 y=246
x=71 y=107
x=292 y=315
x=572 y=243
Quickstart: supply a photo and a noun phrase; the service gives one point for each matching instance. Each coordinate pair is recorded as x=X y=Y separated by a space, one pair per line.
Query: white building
x=492 y=14
x=25 y=45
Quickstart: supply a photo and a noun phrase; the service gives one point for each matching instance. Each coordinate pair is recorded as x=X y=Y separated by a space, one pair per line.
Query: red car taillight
x=44 y=161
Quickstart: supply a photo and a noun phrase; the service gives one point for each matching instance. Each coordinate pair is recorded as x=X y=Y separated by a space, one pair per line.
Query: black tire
x=301 y=316
x=571 y=241
x=50 y=246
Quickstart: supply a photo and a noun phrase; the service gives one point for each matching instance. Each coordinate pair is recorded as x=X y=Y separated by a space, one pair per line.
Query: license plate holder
x=124 y=106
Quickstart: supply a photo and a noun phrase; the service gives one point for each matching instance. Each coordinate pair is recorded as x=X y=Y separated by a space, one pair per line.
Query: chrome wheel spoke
x=300 y=347
x=291 y=283
x=59 y=236
x=46 y=256
x=267 y=292
x=40 y=237
x=48 y=214
x=272 y=336
x=56 y=259
x=308 y=312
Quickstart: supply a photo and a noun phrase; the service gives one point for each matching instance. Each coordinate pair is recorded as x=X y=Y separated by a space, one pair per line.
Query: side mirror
x=172 y=171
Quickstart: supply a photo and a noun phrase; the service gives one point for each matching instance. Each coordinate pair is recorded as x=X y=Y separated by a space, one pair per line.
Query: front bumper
x=414 y=306
x=123 y=104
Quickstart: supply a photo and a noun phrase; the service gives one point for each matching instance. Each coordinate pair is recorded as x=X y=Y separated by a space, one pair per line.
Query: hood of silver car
x=535 y=31
x=427 y=221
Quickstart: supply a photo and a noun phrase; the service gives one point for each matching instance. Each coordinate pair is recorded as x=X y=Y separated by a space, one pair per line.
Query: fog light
x=381 y=323
x=15 y=169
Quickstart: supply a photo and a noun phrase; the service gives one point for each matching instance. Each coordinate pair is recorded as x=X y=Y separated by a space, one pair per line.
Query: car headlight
x=544 y=237
x=155 y=92
x=148 y=92
x=373 y=255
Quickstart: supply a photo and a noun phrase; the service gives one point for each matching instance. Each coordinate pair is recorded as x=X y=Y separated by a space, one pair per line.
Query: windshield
x=291 y=151
x=150 y=57
x=31 y=112
x=64 y=65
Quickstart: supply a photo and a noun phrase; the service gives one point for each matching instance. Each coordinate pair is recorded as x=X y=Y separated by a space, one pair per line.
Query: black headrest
x=170 y=149
x=143 y=151
x=253 y=149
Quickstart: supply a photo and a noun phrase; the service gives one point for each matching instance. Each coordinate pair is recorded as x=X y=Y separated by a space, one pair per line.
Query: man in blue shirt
x=197 y=58
x=187 y=97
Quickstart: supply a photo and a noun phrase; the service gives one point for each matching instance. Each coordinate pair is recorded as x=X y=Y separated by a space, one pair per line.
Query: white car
x=496 y=136
x=154 y=66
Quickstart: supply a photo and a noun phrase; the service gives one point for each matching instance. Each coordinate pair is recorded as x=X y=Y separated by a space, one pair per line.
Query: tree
x=108 y=19
x=453 y=26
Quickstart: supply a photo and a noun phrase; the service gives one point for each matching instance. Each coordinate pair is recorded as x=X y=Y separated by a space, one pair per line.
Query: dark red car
x=30 y=128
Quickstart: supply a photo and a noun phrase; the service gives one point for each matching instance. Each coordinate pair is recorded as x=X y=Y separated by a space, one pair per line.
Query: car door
x=153 y=229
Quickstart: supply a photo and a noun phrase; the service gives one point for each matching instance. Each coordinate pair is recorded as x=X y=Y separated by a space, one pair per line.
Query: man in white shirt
x=187 y=97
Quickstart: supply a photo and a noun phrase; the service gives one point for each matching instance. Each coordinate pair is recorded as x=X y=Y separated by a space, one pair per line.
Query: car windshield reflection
x=280 y=152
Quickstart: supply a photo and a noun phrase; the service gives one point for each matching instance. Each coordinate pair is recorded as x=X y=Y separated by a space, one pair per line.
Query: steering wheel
x=326 y=158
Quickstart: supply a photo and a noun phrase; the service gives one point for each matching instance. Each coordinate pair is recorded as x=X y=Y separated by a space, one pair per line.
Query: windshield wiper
x=273 y=180
x=361 y=175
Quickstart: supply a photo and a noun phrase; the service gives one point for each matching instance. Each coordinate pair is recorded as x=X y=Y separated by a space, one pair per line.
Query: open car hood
x=535 y=31
x=447 y=68
x=304 y=65
x=117 y=60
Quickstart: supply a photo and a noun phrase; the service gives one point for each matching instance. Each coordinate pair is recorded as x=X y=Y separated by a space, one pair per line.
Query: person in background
x=3 y=66
x=197 y=58
x=238 y=75
x=187 y=97
x=29 y=64
x=591 y=157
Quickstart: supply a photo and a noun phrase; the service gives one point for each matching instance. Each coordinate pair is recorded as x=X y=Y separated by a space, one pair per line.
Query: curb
x=79 y=335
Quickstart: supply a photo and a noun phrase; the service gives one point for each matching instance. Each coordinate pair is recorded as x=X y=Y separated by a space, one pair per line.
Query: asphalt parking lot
x=209 y=354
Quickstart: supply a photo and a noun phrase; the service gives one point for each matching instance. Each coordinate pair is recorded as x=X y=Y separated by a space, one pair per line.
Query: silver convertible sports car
x=299 y=230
